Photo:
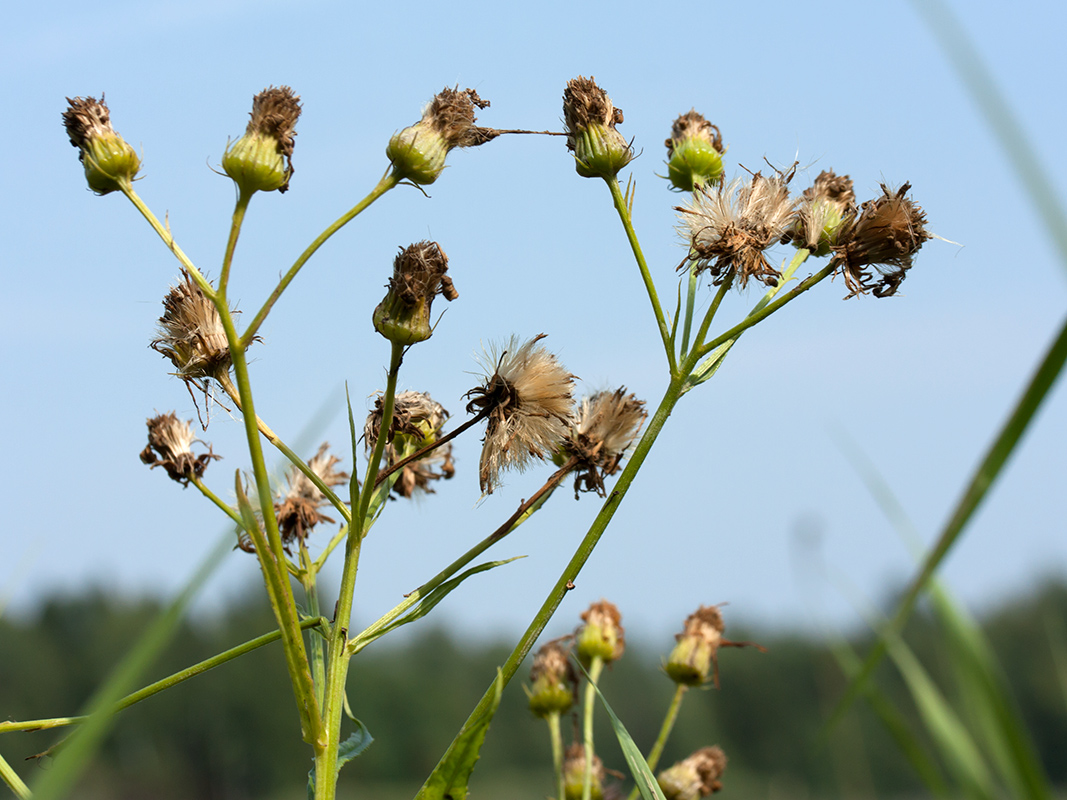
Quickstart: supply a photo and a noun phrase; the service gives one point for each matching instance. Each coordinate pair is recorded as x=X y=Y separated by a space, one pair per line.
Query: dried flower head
x=169 y=446
x=696 y=653
x=826 y=209
x=419 y=275
x=554 y=681
x=297 y=508
x=886 y=235
x=191 y=334
x=729 y=227
x=602 y=636
x=418 y=152
x=262 y=159
x=417 y=423
x=694 y=777
x=527 y=400
x=694 y=152
x=606 y=425
x=600 y=151
x=574 y=773
x=110 y=163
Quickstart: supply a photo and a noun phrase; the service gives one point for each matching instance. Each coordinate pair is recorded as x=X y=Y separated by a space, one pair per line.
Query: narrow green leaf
x=643 y=777
x=708 y=367
x=450 y=777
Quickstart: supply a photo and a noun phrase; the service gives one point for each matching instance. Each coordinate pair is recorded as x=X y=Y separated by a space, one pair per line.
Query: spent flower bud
x=403 y=317
x=886 y=235
x=574 y=773
x=694 y=153
x=696 y=653
x=729 y=227
x=826 y=210
x=170 y=446
x=527 y=400
x=418 y=152
x=554 y=680
x=600 y=151
x=110 y=163
x=694 y=777
x=417 y=423
x=191 y=334
x=605 y=426
x=262 y=159
x=602 y=636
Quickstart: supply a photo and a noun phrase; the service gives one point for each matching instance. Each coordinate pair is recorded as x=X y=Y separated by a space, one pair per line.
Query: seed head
x=826 y=210
x=262 y=159
x=297 y=508
x=417 y=423
x=602 y=635
x=527 y=400
x=886 y=235
x=191 y=334
x=600 y=151
x=696 y=653
x=606 y=425
x=574 y=773
x=419 y=276
x=110 y=163
x=418 y=152
x=729 y=227
x=554 y=680
x=694 y=777
x=694 y=153
x=169 y=446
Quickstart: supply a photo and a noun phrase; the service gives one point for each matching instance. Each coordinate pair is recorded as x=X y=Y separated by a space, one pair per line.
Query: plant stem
x=14 y=782
x=664 y=733
x=557 y=750
x=164 y=234
x=387 y=182
x=448 y=437
x=309 y=580
x=338 y=656
x=596 y=666
x=646 y=276
x=231 y=245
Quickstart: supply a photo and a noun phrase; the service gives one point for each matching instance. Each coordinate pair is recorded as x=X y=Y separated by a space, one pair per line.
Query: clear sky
x=747 y=498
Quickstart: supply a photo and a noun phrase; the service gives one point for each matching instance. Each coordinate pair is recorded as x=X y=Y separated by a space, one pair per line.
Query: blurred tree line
x=233 y=733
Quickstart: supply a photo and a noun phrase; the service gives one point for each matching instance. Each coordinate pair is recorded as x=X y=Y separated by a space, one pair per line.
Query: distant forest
x=233 y=733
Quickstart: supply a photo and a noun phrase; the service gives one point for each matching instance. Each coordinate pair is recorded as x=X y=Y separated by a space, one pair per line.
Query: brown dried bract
x=607 y=424
x=693 y=125
x=169 y=446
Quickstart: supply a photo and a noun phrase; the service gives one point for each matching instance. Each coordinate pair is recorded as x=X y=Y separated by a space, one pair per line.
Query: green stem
x=596 y=666
x=164 y=234
x=646 y=276
x=231 y=245
x=337 y=667
x=690 y=303
x=294 y=459
x=161 y=685
x=229 y=510
x=14 y=782
x=705 y=324
x=309 y=580
x=557 y=751
x=387 y=182
x=664 y=733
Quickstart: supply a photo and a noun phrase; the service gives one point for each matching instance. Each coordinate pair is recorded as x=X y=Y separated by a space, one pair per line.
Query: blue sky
x=748 y=496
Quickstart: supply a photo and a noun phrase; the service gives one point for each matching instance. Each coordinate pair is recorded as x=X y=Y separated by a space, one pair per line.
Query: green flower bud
x=262 y=159
x=694 y=777
x=110 y=163
x=554 y=682
x=602 y=636
x=694 y=153
x=574 y=774
x=418 y=152
x=599 y=150
x=695 y=653
x=419 y=275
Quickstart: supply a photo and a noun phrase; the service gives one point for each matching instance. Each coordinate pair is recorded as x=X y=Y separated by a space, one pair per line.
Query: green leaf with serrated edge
x=351 y=747
x=449 y=779
x=643 y=777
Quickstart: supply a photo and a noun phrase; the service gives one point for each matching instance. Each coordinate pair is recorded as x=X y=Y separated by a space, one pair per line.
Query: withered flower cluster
x=191 y=334
x=553 y=679
x=417 y=423
x=694 y=777
x=169 y=446
x=262 y=159
x=602 y=431
x=600 y=151
x=298 y=508
x=419 y=275
x=602 y=636
x=110 y=163
x=696 y=654
x=527 y=401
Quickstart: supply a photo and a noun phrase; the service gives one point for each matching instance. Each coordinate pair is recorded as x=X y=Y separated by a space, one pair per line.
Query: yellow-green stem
x=387 y=182
x=14 y=782
x=309 y=581
x=338 y=655
x=664 y=732
x=557 y=751
x=168 y=240
x=646 y=276
x=596 y=666
x=231 y=245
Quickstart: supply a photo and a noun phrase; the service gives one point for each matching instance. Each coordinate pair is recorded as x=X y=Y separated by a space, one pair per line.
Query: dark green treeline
x=233 y=733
